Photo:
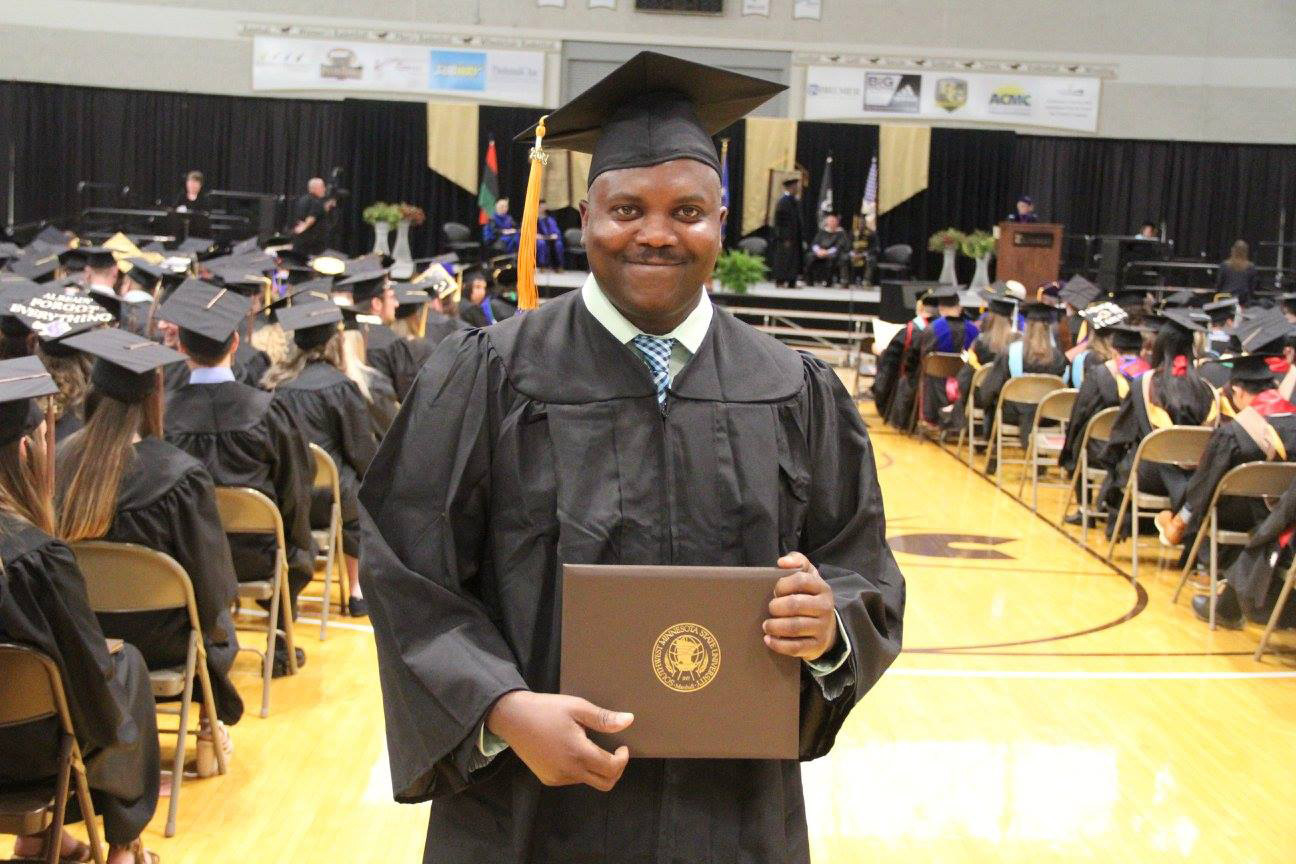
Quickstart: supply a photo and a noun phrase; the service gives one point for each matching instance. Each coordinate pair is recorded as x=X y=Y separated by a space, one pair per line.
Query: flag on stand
x=488 y=192
x=724 y=172
x=826 y=188
x=868 y=206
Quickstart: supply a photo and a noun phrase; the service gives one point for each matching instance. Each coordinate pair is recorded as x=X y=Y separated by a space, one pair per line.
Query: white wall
x=1222 y=70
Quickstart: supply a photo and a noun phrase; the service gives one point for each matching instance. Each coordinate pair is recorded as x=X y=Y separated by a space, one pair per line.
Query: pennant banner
x=904 y=153
x=769 y=145
x=452 y=142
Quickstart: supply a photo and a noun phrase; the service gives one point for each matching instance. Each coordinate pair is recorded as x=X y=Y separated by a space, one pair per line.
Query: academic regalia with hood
x=540 y=441
x=1005 y=367
x=947 y=336
x=887 y=377
x=1258 y=574
x=1099 y=391
x=43 y=605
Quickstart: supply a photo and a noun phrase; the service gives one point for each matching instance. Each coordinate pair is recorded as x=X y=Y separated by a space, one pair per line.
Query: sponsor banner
x=836 y=92
x=302 y=64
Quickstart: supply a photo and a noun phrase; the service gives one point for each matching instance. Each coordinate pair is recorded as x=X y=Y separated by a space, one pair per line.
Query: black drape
x=852 y=146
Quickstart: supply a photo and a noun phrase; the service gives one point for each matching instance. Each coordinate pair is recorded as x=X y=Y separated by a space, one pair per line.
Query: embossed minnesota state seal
x=686 y=657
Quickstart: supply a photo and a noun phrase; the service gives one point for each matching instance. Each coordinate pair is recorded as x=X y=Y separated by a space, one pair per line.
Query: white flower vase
x=381 y=232
x=401 y=251
x=947 y=275
x=981 y=278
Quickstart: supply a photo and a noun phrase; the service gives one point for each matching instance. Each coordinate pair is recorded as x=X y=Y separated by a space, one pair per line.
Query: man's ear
x=234 y=343
x=724 y=217
x=584 y=213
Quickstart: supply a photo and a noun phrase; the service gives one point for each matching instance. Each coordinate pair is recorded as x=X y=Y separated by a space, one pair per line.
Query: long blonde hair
x=273 y=341
x=353 y=362
x=93 y=461
x=998 y=332
x=71 y=375
x=412 y=326
x=338 y=352
x=23 y=490
x=1038 y=350
x=1239 y=256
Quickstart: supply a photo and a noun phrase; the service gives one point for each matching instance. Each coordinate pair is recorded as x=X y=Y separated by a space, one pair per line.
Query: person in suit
x=788 y=236
x=830 y=248
x=1025 y=211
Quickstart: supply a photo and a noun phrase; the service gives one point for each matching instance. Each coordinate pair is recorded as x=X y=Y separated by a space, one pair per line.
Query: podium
x=1030 y=252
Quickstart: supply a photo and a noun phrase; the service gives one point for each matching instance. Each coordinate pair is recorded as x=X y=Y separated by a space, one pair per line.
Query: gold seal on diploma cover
x=686 y=657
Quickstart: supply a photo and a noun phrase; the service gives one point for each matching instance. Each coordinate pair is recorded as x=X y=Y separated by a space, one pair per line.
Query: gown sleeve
x=195 y=539
x=1223 y=452
x=988 y=392
x=293 y=475
x=844 y=535
x=442 y=661
x=358 y=440
x=1125 y=430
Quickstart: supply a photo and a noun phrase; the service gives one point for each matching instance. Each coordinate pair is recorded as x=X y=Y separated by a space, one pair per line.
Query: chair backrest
x=1258 y=480
x=1056 y=405
x=1029 y=389
x=30 y=687
x=978 y=377
x=754 y=245
x=247 y=511
x=573 y=238
x=941 y=365
x=127 y=577
x=326 y=472
x=1181 y=446
x=1101 y=424
x=456 y=232
x=898 y=253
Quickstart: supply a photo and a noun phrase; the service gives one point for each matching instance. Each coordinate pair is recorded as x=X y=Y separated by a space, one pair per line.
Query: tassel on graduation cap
x=527 y=294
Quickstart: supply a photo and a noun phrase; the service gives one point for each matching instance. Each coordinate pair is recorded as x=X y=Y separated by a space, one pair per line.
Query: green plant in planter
x=978 y=244
x=381 y=211
x=737 y=270
x=941 y=241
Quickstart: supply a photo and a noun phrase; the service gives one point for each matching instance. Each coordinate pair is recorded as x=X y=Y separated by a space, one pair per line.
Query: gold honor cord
x=527 y=294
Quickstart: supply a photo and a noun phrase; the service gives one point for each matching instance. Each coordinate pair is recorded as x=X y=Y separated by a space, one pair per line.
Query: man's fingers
x=793 y=628
x=601 y=763
x=800 y=582
x=794 y=561
x=599 y=719
x=792 y=647
x=805 y=605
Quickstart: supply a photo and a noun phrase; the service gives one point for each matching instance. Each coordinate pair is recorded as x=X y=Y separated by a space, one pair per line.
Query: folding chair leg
x=209 y=707
x=1273 y=617
x=182 y=737
x=87 y=807
x=1116 y=527
x=328 y=590
x=1214 y=564
x=53 y=840
x=267 y=662
x=1134 y=527
x=285 y=613
x=1188 y=566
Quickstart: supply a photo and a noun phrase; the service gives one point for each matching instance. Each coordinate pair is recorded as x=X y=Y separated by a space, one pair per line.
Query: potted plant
x=736 y=270
x=979 y=246
x=947 y=243
x=382 y=216
x=407 y=215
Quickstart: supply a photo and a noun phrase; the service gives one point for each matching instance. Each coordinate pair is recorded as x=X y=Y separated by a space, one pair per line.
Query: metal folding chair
x=1249 y=480
x=31 y=689
x=1044 y=447
x=1273 y=616
x=1097 y=429
x=125 y=577
x=1023 y=390
x=328 y=542
x=247 y=511
x=972 y=415
x=936 y=364
x=1181 y=446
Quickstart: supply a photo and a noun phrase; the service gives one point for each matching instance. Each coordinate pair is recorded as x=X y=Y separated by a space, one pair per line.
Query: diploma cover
x=682 y=649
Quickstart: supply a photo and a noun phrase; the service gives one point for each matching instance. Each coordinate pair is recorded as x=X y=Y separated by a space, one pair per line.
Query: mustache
x=658 y=257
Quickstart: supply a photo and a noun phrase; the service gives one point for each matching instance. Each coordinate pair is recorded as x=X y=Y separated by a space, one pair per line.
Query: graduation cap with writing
x=125 y=365
x=1079 y=292
x=312 y=324
x=17 y=291
x=653 y=108
x=56 y=315
x=438 y=280
x=206 y=314
x=22 y=380
x=1251 y=367
x=1104 y=316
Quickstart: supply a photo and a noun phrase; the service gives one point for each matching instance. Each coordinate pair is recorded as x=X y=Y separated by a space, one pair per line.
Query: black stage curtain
x=852 y=146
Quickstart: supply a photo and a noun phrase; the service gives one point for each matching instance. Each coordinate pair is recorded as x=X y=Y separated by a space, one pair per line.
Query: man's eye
x=690 y=212
x=625 y=211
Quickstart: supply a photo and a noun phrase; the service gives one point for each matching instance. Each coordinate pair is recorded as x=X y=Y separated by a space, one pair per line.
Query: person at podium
x=194 y=197
x=1025 y=211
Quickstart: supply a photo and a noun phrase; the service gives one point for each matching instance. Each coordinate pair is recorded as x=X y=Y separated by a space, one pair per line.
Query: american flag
x=869 y=205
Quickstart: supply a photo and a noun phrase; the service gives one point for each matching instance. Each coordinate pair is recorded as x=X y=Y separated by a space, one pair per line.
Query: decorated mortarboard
x=209 y=311
x=1182 y=319
x=1079 y=292
x=16 y=290
x=56 y=315
x=1104 y=316
x=437 y=279
x=312 y=324
x=22 y=380
x=125 y=364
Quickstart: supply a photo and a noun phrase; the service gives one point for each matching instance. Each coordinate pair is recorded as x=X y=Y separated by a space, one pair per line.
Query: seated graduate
x=376 y=388
x=1223 y=316
x=481 y=308
x=828 y=250
x=420 y=328
x=1075 y=296
x=1172 y=394
x=374 y=299
x=997 y=330
x=240 y=434
x=43 y=605
x=332 y=412
x=249 y=362
x=118 y=480
x=500 y=233
x=1254 y=582
x=888 y=373
x=1263 y=430
x=549 y=241
x=1270 y=333
x=1034 y=353
x=1106 y=385
x=949 y=333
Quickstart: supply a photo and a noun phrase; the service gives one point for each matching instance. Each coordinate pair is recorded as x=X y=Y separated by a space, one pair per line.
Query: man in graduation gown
x=240 y=433
x=823 y=262
x=787 y=240
x=630 y=422
x=948 y=333
x=1105 y=386
x=374 y=299
x=889 y=371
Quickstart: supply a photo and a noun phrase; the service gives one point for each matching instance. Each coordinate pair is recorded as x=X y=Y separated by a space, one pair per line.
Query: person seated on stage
x=1034 y=353
x=194 y=197
x=1252 y=585
x=886 y=381
x=949 y=333
x=997 y=330
x=118 y=480
x=1025 y=211
x=1238 y=275
x=480 y=308
x=500 y=233
x=1263 y=430
x=44 y=605
x=332 y=412
x=549 y=240
x=1172 y=394
x=1149 y=231
x=239 y=433
x=829 y=249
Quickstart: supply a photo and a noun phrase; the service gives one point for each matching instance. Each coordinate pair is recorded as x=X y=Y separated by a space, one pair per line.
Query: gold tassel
x=528 y=296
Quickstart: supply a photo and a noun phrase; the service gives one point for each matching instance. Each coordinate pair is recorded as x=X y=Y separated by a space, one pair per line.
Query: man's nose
x=656 y=231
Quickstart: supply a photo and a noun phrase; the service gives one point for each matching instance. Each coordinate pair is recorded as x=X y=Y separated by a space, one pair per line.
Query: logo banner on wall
x=838 y=92
x=301 y=64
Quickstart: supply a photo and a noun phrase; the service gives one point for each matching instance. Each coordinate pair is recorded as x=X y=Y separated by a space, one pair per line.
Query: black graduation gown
x=935 y=396
x=332 y=413
x=905 y=392
x=1257 y=575
x=383 y=403
x=411 y=354
x=244 y=438
x=174 y=376
x=1021 y=416
x=381 y=345
x=43 y=605
x=787 y=241
x=888 y=368
x=1097 y=393
x=249 y=363
x=985 y=355
x=167 y=502
x=540 y=441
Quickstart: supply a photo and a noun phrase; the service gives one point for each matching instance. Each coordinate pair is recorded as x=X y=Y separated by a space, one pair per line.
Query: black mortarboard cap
x=211 y=312
x=22 y=380
x=1125 y=338
x=9 y=251
x=144 y=273
x=1006 y=307
x=1079 y=292
x=90 y=256
x=125 y=364
x=1221 y=310
x=52 y=236
x=1251 y=367
x=200 y=246
x=54 y=315
x=364 y=286
x=1040 y=312
x=926 y=299
x=1265 y=333
x=409 y=300
x=945 y=294
x=1178 y=299
x=1182 y=319
x=652 y=109
x=244 y=246
x=1288 y=301
x=318 y=290
x=1130 y=295
x=35 y=266
x=312 y=324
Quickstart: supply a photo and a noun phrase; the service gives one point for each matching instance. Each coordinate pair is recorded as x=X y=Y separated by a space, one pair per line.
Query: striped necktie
x=656 y=352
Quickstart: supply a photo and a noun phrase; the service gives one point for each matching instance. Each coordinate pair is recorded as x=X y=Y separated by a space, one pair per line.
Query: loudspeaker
x=899 y=300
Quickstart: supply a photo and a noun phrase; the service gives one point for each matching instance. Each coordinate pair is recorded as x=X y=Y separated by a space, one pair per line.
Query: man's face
x=831 y=222
x=652 y=236
x=316 y=188
x=384 y=305
x=1024 y=208
x=170 y=334
x=501 y=206
x=951 y=311
x=1149 y=232
x=193 y=186
x=477 y=291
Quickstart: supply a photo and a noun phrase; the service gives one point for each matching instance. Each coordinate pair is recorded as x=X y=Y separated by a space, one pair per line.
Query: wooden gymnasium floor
x=1045 y=709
